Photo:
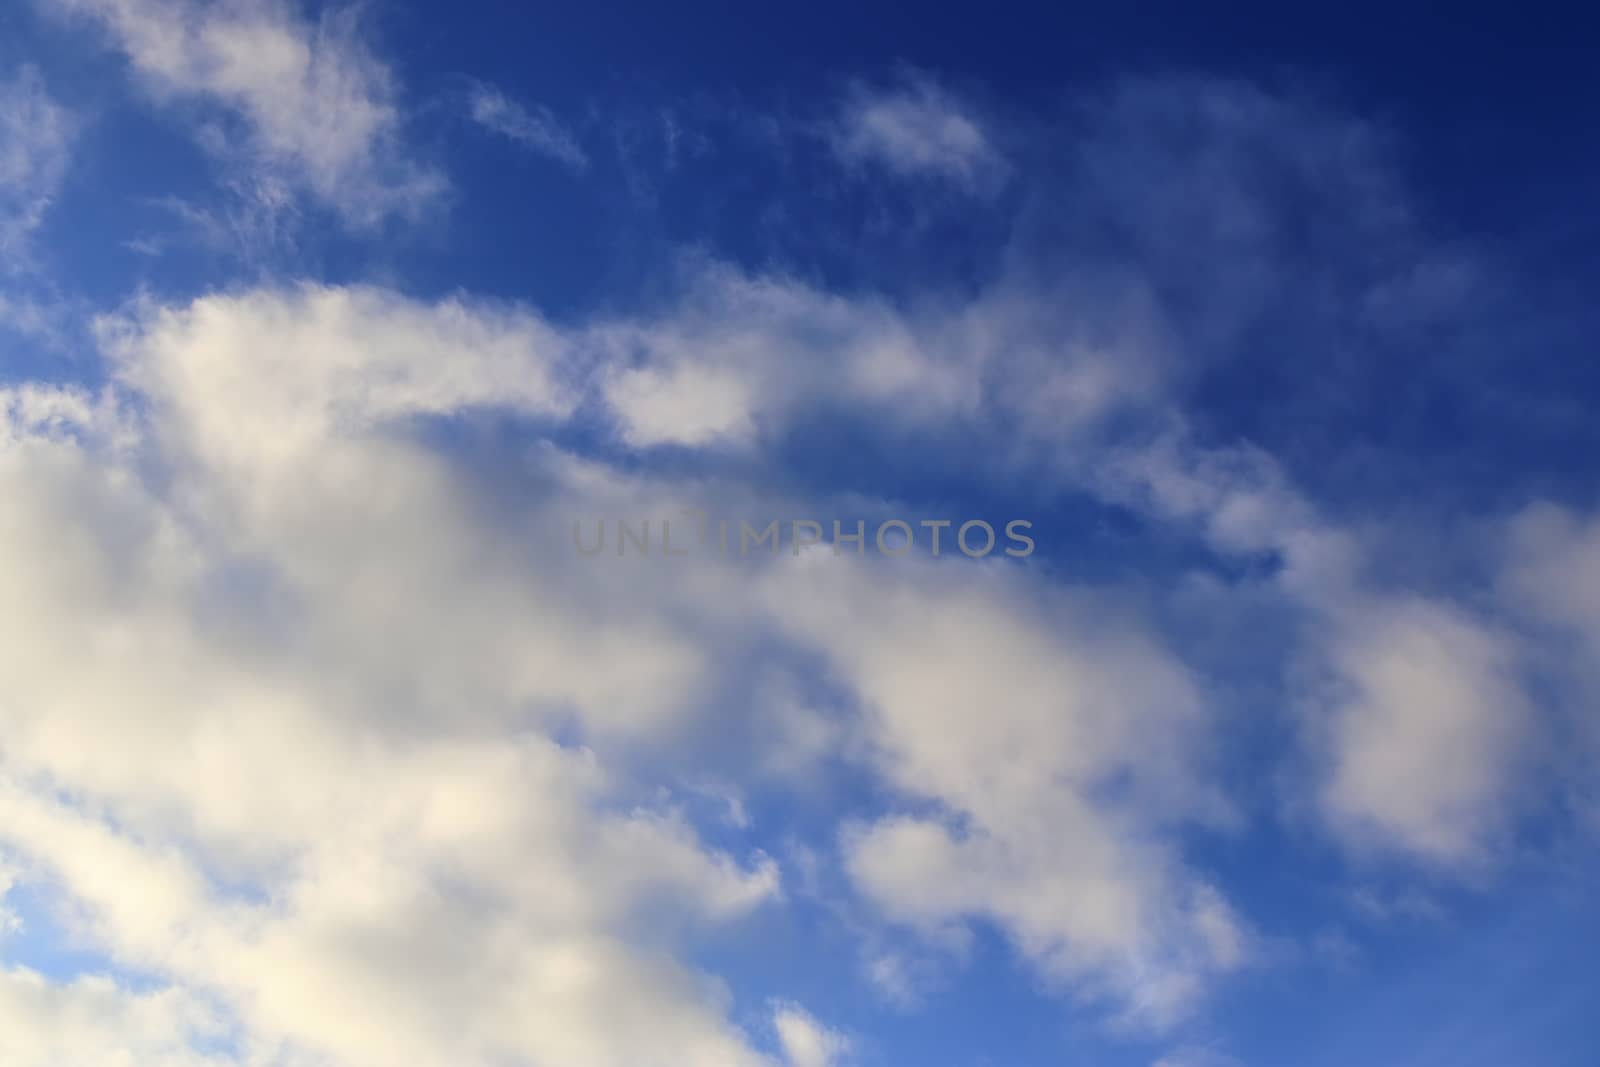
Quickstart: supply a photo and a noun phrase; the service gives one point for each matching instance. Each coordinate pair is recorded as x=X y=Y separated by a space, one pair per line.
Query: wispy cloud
x=530 y=126
x=36 y=136
x=916 y=129
x=320 y=110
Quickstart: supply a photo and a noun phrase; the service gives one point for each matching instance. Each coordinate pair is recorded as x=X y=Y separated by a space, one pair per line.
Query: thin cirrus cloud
x=916 y=129
x=530 y=127
x=36 y=138
x=320 y=111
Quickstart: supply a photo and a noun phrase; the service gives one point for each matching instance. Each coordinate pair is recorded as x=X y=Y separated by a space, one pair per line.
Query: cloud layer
x=325 y=746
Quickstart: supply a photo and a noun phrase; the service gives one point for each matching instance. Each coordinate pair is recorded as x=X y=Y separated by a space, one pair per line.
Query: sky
x=342 y=726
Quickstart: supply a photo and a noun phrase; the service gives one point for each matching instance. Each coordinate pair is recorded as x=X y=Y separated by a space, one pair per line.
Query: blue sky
x=322 y=745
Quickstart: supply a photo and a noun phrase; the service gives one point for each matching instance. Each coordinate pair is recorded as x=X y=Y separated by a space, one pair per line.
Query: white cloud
x=1418 y=721
x=1550 y=576
x=891 y=976
x=917 y=129
x=90 y=1022
x=1028 y=835
x=36 y=136
x=282 y=659
x=534 y=128
x=740 y=352
x=10 y=923
x=740 y=356
x=319 y=110
x=279 y=634
x=1553 y=569
x=805 y=1041
x=266 y=638
x=685 y=404
x=303 y=364
x=398 y=643
x=1428 y=722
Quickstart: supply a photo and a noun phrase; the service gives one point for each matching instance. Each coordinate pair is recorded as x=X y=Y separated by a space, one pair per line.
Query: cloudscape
x=647 y=535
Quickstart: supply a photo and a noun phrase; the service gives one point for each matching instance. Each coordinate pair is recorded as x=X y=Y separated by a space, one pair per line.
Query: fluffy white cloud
x=805 y=1041
x=1418 y=721
x=303 y=366
x=683 y=404
x=274 y=695
x=290 y=626
x=1057 y=745
x=740 y=357
x=281 y=666
x=90 y=1022
x=739 y=353
x=1410 y=710
x=1428 y=720
x=319 y=110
